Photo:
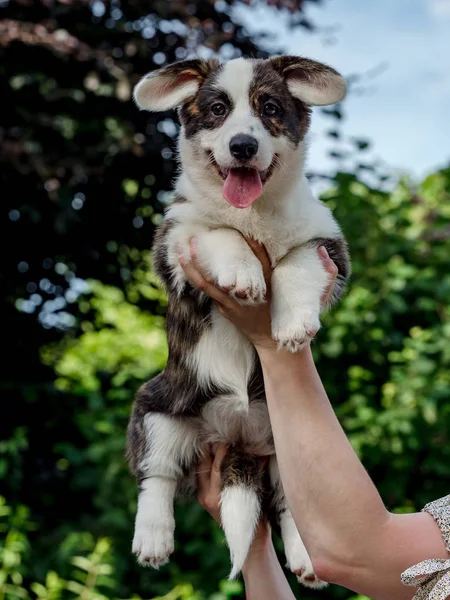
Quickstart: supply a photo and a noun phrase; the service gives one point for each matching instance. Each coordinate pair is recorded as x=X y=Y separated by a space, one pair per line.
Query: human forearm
x=263 y=576
x=319 y=469
x=352 y=539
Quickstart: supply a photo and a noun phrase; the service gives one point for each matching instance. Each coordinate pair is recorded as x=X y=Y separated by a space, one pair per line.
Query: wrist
x=264 y=345
x=270 y=354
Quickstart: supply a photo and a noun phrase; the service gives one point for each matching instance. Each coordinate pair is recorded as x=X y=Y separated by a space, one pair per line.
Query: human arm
x=352 y=539
x=263 y=576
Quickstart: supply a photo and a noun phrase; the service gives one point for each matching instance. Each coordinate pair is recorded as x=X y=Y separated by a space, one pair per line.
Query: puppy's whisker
x=279 y=164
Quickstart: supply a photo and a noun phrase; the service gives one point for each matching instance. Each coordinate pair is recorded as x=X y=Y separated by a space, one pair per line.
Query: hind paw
x=308 y=578
x=299 y=562
x=153 y=543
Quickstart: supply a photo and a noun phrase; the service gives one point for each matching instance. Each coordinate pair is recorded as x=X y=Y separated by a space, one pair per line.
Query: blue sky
x=405 y=110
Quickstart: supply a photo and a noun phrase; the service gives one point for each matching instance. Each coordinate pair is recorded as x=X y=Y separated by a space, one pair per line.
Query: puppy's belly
x=225 y=358
x=225 y=419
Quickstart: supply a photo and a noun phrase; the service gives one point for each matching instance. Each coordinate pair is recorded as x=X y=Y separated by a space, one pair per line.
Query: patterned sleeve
x=432 y=576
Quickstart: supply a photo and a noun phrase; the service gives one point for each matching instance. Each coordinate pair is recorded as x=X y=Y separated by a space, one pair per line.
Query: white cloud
x=440 y=8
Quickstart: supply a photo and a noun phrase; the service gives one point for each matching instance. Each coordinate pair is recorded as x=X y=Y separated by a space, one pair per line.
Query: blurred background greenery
x=85 y=177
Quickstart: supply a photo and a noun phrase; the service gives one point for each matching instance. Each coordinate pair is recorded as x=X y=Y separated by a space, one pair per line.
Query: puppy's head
x=245 y=116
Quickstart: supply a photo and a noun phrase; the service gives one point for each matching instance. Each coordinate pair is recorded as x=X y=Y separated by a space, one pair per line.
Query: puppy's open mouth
x=242 y=185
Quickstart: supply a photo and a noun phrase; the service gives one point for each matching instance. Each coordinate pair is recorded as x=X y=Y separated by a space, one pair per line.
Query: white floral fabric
x=432 y=576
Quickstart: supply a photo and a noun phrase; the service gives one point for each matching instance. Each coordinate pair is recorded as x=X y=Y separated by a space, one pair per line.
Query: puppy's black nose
x=243 y=147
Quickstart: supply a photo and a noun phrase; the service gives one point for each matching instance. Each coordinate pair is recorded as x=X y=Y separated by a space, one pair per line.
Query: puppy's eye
x=218 y=109
x=270 y=109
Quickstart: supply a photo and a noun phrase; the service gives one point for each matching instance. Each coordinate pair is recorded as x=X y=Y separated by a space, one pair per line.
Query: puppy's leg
x=298 y=283
x=228 y=259
x=153 y=540
x=223 y=253
x=297 y=557
x=170 y=445
x=172 y=238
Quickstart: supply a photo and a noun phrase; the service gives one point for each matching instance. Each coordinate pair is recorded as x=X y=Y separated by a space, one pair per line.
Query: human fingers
x=216 y=482
x=332 y=270
x=204 y=475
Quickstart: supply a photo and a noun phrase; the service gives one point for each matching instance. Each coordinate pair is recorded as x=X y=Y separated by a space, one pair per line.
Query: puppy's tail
x=240 y=504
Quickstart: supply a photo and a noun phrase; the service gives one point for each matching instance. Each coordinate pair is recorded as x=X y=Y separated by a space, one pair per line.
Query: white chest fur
x=280 y=222
x=225 y=358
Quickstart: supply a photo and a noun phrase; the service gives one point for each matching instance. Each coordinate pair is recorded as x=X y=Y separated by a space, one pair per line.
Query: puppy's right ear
x=173 y=85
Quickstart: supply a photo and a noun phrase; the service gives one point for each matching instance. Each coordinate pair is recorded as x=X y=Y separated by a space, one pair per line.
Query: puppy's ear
x=311 y=82
x=171 y=86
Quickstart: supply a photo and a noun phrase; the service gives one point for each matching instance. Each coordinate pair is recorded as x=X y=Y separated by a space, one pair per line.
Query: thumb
x=220 y=454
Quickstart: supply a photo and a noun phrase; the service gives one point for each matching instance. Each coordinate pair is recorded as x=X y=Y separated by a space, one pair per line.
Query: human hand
x=209 y=484
x=253 y=321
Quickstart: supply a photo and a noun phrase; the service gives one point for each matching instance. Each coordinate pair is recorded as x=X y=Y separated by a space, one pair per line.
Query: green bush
x=91 y=573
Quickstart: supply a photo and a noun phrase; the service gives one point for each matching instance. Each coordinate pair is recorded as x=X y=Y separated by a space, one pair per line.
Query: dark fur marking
x=136 y=441
x=176 y=391
x=294 y=118
x=196 y=114
x=239 y=468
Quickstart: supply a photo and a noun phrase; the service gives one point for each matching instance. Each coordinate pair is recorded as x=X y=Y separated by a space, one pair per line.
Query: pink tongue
x=242 y=187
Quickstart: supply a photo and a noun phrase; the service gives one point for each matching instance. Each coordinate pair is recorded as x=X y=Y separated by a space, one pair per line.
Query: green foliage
x=91 y=574
x=13 y=547
x=117 y=338
x=390 y=335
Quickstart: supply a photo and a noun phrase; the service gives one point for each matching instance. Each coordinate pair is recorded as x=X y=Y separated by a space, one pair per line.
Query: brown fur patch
x=294 y=116
x=196 y=114
x=175 y=390
x=179 y=200
x=239 y=468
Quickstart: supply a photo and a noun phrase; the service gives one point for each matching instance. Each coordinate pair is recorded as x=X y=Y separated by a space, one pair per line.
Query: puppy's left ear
x=311 y=82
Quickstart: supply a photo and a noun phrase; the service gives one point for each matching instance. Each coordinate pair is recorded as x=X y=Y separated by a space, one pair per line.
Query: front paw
x=153 y=542
x=293 y=332
x=245 y=283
